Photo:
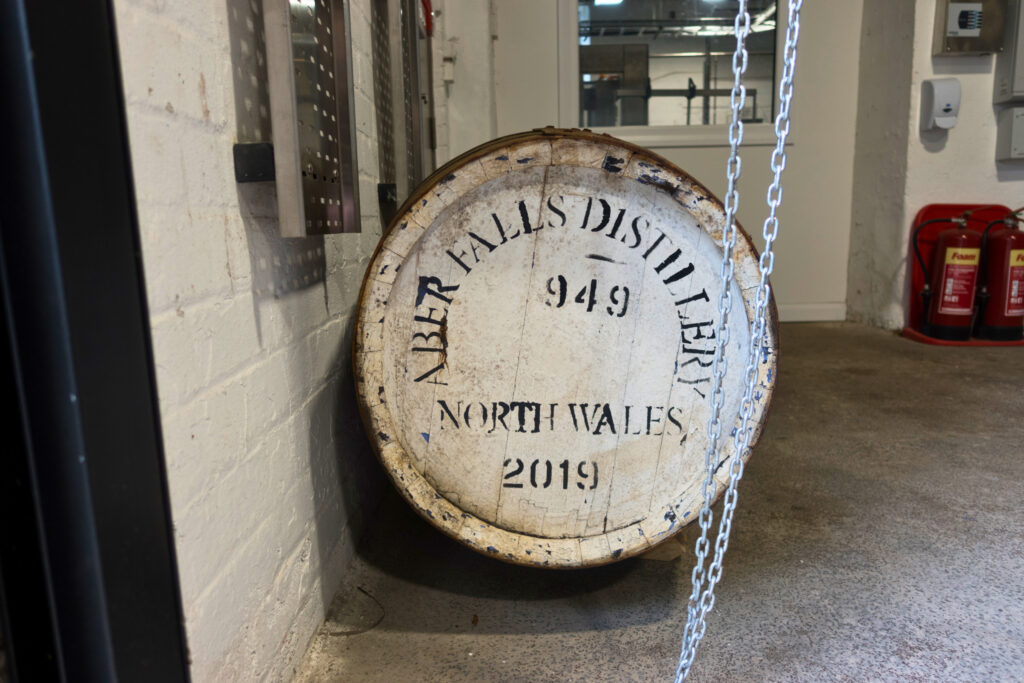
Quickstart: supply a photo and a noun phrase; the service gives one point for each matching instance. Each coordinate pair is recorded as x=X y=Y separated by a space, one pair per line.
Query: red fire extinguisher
x=1001 y=298
x=948 y=293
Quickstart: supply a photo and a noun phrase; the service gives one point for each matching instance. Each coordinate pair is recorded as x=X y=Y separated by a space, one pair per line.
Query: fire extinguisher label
x=1015 y=284
x=958 y=277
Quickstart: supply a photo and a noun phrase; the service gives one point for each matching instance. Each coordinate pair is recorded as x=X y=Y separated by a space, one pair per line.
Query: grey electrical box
x=1009 y=80
x=968 y=28
x=1010 y=135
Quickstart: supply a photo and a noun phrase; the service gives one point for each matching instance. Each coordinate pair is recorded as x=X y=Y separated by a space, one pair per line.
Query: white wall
x=812 y=254
x=957 y=166
x=826 y=208
x=251 y=340
x=465 y=107
x=526 y=64
x=880 y=164
x=813 y=247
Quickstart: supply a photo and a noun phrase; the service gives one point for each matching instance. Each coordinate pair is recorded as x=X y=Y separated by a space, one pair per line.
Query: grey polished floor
x=879 y=537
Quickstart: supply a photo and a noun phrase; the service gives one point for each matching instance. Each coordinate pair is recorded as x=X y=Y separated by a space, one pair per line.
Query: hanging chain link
x=702 y=597
x=719 y=365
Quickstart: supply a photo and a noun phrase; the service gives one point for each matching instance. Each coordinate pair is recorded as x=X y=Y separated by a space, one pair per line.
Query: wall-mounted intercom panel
x=968 y=28
x=1009 y=80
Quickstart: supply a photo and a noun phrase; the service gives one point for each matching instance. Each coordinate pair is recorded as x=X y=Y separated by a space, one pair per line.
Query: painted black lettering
x=605 y=421
x=651 y=420
x=618 y=221
x=466 y=414
x=668 y=261
x=635 y=229
x=554 y=209
x=679 y=274
x=533 y=474
x=430 y=373
x=696 y=297
x=683 y=327
x=521 y=407
x=436 y=291
x=582 y=475
x=429 y=317
x=445 y=410
x=426 y=337
x=586 y=214
x=481 y=240
x=513 y=474
x=458 y=259
x=654 y=245
x=586 y=419
x=496 y=418
x=525 y=216
x=501 y=230
x=614 y=295
x=560 y=294
x=625 y=429
x=606 y=214
x=672 y=418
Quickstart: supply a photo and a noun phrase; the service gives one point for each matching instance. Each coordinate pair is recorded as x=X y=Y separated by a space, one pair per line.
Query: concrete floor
x=879 y=536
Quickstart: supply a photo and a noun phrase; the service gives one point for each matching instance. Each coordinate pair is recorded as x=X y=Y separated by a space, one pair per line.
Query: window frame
x=754 y=134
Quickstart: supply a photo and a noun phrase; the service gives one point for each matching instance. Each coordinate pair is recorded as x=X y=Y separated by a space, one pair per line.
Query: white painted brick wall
x=269 y=471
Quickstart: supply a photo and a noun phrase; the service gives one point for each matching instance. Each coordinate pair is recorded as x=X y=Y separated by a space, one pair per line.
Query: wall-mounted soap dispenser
x=940 y=103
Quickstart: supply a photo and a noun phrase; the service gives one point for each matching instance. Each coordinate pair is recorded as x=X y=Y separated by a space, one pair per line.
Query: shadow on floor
x=877 y=538
x=405 y=547
x=410 y=578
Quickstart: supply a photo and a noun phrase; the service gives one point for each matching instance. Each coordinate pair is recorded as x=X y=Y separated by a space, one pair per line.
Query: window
x=669 y=62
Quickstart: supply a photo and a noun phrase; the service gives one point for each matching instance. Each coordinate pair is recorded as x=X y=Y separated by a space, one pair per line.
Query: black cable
x=983 y=270
x=983 y=295
x=917 y=248
x=984 y=244
x=984 y=233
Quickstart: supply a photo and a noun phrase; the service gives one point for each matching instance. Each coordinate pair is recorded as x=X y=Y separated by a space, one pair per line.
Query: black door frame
x=88 y=577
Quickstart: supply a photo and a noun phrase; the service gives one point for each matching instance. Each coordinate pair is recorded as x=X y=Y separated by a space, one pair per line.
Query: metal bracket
x=312 y=115
x=254 y=162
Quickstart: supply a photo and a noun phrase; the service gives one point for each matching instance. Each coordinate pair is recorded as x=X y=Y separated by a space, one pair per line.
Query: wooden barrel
x=534 y=344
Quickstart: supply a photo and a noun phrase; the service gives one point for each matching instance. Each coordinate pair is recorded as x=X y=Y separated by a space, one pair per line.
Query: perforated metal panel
x=409 y=84
x=278 y=266
x=402 y=97
x=382 y=95
x=417 y=154
x=249 y=71
x=313 y=60
x=311 y=110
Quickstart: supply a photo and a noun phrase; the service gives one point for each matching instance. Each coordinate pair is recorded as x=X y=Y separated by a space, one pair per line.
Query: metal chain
x=719 y=365
x=702 y=598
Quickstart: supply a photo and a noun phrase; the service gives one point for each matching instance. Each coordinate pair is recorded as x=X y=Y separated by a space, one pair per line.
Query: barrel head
x=534 y=348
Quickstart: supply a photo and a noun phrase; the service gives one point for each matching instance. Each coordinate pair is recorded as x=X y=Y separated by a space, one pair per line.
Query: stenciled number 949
x=617 y=296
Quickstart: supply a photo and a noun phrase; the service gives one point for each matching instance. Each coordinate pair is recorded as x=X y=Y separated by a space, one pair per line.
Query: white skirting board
x=817 y=312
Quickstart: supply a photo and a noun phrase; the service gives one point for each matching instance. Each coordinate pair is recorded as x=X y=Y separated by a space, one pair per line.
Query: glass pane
x=669 y=62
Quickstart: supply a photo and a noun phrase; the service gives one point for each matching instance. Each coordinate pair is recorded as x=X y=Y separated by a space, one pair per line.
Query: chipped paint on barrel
x=533 y=348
